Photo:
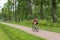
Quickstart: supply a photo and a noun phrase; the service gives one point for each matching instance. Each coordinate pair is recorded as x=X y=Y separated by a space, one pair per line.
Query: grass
x=16 y=34
x=45 y=25
x=3 y=36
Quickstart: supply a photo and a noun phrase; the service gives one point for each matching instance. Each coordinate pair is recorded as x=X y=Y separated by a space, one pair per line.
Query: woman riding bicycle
x=35 y=22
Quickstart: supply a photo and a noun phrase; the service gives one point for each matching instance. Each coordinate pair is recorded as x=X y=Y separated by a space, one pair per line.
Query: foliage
x=23 y=9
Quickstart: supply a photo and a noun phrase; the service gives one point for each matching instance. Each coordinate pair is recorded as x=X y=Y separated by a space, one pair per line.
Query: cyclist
x=35 y=22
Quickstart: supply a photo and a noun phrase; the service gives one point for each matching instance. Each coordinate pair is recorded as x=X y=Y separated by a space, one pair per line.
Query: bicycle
x=35 y=28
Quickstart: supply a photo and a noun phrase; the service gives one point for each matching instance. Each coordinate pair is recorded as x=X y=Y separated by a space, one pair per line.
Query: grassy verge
x=45 y=25
x=16 y=34
x=3 y=36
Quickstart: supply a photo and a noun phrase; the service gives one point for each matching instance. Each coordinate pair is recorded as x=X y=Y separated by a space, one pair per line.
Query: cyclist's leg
x=33 y=28
x=36 y=28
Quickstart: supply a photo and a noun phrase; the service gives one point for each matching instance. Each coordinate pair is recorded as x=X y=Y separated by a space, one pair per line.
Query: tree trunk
x=54 y=11
x=29 y=9
x=9 y=10
x=41 y=10
x=15 y=11
x=9 y=13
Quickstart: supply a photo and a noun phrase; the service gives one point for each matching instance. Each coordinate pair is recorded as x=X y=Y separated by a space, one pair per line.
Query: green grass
x=16 y=34
x=3 y=36
x=45 y=25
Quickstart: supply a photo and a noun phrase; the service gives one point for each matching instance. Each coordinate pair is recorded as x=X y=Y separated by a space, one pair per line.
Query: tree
x=14 y=9
x=41 y=9
x=5 y=12
x=54 y=11
x=29 y=9
x=9 y=8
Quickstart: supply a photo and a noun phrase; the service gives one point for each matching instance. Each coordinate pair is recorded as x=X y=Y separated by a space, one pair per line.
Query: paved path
x=42 y=33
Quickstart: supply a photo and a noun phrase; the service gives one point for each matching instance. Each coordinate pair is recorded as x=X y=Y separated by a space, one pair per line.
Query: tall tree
x=15 y=17
x=54 y=11
x=29 y=9
x=41 y=9
x=5 y=12
x=9 y=8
